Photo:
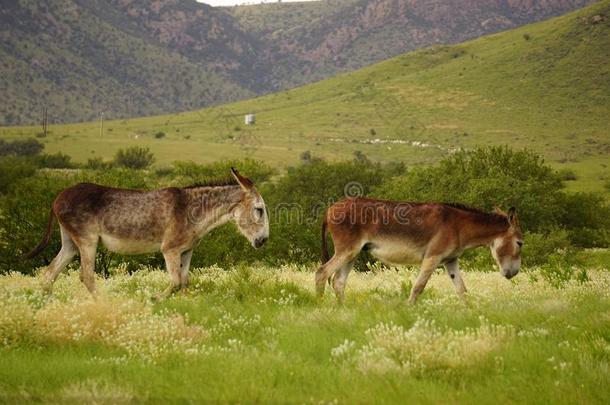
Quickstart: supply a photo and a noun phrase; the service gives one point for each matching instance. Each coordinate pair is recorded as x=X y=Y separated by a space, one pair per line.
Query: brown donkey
x=427 y=233
x=170 y=220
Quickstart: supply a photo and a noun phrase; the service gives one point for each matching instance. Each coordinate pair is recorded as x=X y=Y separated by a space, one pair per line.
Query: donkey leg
x=328 y=269
x=429 y=264
x=87 y=264
x=66 y=254
x=454 y=272
x=340 y=280
x=185 y=264
x=172 y=262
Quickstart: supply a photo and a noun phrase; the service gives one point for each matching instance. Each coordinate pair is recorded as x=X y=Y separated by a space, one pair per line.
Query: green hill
x=80 y=58
x=544 y=86
x=145 y=57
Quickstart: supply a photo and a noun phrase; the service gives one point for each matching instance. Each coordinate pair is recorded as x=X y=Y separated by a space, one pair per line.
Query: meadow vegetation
x=257 y=333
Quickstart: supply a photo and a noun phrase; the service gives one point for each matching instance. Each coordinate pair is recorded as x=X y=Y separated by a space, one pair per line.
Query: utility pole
x=45 y=119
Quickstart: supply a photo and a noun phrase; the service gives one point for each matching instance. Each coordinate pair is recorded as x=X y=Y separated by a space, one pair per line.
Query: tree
x=134 y=158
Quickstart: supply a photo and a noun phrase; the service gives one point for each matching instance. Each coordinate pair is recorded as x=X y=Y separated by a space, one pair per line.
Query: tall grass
x=259 y=334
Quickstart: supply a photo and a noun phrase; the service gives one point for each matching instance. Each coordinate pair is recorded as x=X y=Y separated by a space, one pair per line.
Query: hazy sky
x=233 y=2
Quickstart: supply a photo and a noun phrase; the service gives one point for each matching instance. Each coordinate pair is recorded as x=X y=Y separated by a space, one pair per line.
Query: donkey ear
x=500 y=211
x=244 y=182
x=511 y=215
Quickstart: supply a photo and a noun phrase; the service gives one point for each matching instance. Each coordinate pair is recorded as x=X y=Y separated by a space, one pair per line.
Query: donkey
x=431 y=234
x=171 y=220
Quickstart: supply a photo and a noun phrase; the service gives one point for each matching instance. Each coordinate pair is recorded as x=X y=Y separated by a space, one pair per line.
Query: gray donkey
x=171 y=220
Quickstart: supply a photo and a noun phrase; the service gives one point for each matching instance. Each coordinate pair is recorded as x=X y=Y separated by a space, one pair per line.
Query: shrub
x=13 y=169
x=590 y=237
x=20 y=147
x=98 y=163
x=160 y=135
x=55 y=161
x=486 y=178
x=134 y=157
x=538 y=247
x=187 y=173
x=586 y=210
x=359 y=156
x=561 y=267
x=567 y=175
x=164 y=171
x=587 y=217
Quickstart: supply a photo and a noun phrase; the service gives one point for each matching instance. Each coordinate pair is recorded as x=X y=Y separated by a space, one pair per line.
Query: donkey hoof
x=47 y=289
x=157 y=298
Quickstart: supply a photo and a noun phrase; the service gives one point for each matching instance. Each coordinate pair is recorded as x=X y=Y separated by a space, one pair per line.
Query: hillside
x=81 y=57
x=544 y=86
x=311 y=41
x=144 y=57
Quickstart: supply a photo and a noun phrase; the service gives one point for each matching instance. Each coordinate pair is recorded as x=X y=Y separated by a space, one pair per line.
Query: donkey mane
x=213 y=183
x=480 y=215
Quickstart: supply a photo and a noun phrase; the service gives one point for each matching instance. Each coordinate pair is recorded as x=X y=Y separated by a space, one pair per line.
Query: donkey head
x=250 y=214
x=506 y=248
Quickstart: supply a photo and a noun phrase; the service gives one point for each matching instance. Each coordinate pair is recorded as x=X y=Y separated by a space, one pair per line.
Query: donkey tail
x=325 y=255
x=45 y=239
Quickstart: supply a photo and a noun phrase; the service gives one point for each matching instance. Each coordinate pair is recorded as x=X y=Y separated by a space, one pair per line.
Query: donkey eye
x=259 y=212
x=520 y=243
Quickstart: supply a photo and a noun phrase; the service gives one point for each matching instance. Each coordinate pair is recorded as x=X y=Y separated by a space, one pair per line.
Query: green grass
x=259 y=335
x=549 y=92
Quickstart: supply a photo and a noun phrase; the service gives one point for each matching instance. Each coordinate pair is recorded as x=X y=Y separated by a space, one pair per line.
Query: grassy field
x=259 y=335
x=544 y=86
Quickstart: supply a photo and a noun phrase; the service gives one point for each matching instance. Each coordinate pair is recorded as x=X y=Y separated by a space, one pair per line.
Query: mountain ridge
x=143 y=57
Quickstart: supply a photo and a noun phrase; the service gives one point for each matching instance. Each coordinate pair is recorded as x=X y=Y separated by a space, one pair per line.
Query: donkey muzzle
x=510 y=273
x=258 y=242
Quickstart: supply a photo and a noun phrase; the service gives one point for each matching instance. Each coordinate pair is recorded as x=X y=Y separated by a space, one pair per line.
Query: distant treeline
x=554 y=221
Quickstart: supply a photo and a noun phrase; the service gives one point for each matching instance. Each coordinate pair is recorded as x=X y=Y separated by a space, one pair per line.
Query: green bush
x=20 y=147
x=98 y=163
x=567 y=175
x=55 y=161
x=538 y=247
x=485 y=178
x=13 y=169
x=590 y=237
x=587 y=218
x=134 y=157
x=187 y=173
x=585 y=210
x=562 y=267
